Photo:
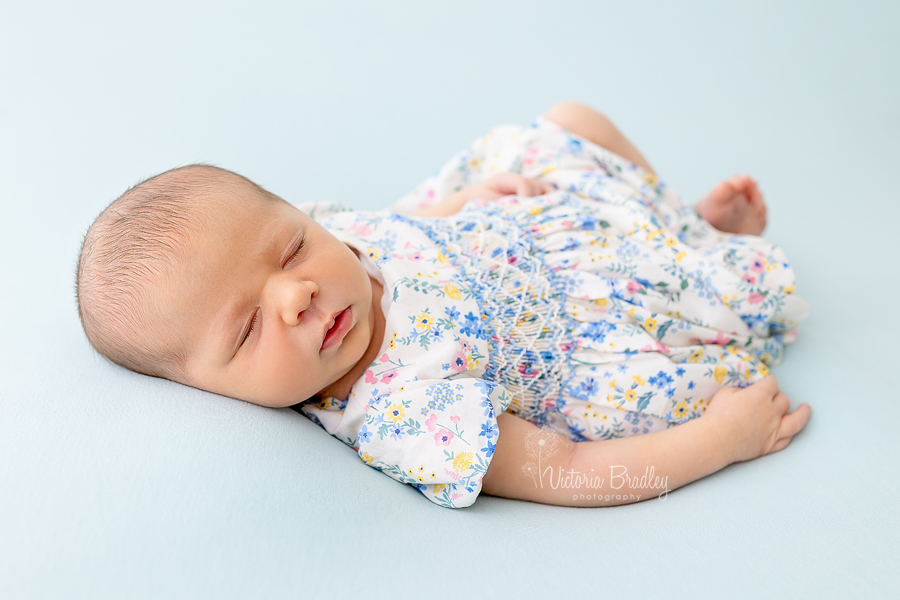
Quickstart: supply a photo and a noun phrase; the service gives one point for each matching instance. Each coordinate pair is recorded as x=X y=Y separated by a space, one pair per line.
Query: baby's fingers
x=791 y=425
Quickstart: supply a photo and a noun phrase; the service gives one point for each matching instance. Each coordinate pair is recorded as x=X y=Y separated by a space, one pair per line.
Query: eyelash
x=249 y=329
x=297 y=251
x=256 y=314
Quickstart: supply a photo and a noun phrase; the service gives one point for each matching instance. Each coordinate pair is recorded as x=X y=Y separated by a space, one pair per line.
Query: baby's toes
x=724 y=192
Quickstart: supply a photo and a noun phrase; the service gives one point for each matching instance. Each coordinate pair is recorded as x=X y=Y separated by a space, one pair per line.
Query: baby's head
x=200 y=276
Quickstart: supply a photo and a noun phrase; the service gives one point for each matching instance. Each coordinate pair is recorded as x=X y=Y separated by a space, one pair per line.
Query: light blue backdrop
x=113 y=485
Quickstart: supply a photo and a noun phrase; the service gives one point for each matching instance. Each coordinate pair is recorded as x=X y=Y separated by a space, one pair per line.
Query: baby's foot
x=735 y=206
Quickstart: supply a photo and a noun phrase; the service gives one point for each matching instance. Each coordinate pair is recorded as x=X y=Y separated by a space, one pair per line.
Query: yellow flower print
x=719 y=374
x=396 y=413
x=438 y=488
x=536 y=210
x=423 y=321
x=650 y=324
x=651 y=180
x=433 y=475
x=366 y=458
x=681 y=410
x=653 y=233
x=442 y=259
x=680 y=256
x=734 y=349
x=789 y=289
x=421 y=468
x=630 y=395
x=612 y=384
x=373 y=254
x=603 y=418
x=763 y=370
x=601 y=302
x=475 y=163
x=462 y=462
x=695 y=356
x=452 y=292
x=548 y=169
x=671 y=242
x=638 y=380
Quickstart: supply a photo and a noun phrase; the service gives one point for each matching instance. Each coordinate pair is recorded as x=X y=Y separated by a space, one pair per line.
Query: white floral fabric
x=606 y=309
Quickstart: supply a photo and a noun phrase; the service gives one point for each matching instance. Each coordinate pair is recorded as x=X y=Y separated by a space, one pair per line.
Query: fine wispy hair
x=125 y=259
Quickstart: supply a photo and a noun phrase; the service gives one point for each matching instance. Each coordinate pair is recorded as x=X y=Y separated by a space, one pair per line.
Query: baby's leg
x=590 y=124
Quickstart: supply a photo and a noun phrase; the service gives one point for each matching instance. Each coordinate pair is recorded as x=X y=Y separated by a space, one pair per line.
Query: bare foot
x=734 y=206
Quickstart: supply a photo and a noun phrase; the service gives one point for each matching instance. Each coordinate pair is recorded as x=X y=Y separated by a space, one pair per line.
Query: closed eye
x=249 y=329
x=296 y=252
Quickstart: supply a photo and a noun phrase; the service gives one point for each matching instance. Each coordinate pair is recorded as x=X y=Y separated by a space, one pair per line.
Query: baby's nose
x=292 y=297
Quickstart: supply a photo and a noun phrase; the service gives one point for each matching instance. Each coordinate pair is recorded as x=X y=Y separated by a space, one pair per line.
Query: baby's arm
x=739 y=425
x=498 y=186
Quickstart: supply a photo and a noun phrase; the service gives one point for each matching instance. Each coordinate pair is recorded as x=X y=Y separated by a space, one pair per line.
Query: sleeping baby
x=543 y=319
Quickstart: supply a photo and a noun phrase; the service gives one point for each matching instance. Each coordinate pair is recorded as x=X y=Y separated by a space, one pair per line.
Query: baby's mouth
x=337 y=329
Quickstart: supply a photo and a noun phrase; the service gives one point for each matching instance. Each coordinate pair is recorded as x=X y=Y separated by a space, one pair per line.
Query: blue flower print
x=488 y=430
x=365 y=436
x=660 y=380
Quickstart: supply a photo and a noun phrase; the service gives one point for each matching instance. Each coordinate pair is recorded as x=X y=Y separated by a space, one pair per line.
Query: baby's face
x=271 y=308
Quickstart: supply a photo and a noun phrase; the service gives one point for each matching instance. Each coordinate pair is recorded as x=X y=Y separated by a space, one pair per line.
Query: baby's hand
x=754 y=421
x=502 y=184
x=506 y=184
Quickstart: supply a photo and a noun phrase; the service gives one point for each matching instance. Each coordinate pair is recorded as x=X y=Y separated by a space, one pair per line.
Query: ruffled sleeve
x=436 y=435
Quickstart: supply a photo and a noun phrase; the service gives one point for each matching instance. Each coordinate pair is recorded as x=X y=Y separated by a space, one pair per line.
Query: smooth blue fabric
x=116 y=485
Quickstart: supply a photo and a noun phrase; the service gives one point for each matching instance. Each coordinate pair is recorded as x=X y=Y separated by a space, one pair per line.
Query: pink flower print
x=443 y=437
x=384 y=357
x=633 y=287
x=464 y=345
x=360 y=229
x=386 y=378
x=755 y=298
x=749 y=278
x=415 y=256
x=757 y=265
x=457 y=496
x=458 y=362
x=370 y=377
x=430 y=421
x=455 y=418
x=721 y=340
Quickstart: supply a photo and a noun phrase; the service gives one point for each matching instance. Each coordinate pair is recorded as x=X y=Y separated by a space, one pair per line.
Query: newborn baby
x=501 y=317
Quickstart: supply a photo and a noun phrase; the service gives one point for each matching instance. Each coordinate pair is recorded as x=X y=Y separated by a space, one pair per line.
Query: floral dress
x=606 y=309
